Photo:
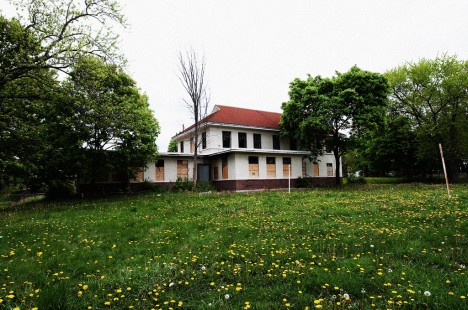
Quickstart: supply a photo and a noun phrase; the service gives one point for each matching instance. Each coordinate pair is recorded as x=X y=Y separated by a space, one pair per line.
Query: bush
x=204 y=187
x=355 y=180
x=303 y=182
x=182 y=185
x=60 y=190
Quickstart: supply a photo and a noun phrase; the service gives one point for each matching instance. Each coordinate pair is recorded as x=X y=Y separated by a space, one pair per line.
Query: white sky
x=254 y=49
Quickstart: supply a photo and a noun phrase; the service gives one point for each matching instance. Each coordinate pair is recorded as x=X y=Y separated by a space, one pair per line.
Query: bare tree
x=192 y=77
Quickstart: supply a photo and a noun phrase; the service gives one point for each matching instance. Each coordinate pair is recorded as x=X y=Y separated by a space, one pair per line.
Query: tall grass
x=373 y=246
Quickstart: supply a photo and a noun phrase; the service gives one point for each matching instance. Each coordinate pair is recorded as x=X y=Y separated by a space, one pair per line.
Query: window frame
x=257 y=141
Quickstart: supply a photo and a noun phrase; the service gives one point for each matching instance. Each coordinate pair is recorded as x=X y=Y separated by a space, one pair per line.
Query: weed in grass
x=374 y=246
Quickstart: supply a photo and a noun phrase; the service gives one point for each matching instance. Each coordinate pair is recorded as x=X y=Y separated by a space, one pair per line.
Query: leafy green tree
x=389 y=149
x=433 y=94
x=172 y=147
x=56 y=34
x=320 y=110
x=109 y=118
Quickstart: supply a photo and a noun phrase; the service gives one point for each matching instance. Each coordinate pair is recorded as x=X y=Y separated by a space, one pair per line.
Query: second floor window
x=257 y=141
x=242 y=140
x=203 y=140
x=276 y=142
x=181 y=146
x=226 y=139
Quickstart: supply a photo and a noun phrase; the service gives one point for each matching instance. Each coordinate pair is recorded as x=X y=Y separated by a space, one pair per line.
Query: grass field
x=370 y=246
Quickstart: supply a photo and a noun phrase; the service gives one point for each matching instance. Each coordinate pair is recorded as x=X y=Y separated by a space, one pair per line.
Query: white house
x=240 y=149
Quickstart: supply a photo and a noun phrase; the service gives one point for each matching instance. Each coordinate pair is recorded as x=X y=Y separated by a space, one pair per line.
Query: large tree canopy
x=108 y=115
x=433 y=94
x=54 y=34
x=323 y=110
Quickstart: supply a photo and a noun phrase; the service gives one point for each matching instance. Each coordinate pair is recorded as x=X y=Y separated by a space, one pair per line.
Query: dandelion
x=371 y=245
x=171 y=284
x=227 y=296
x=363 y=291
x=346 y=296
x=80 y=293
x=85 y=287
x=427 y=293
x=203 y=268
x=39 y=254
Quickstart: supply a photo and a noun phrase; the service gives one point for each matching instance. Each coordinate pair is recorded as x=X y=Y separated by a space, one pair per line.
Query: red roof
x=240 y=116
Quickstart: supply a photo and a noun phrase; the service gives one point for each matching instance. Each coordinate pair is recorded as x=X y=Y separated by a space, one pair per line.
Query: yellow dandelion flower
x=11 y=296
x=39 y=254
x=180 y=304
x=79 y=293
x=85 y=287
x=107 y=303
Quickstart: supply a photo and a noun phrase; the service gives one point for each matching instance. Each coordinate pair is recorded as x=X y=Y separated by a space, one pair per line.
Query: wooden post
x=445 y=171
x=289 y=179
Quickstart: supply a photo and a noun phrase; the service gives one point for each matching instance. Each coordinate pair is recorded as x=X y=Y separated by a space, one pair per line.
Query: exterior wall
x=215 y=137
x=259 y=184
x=170 y=169
x=323 y=161
x=242 y=165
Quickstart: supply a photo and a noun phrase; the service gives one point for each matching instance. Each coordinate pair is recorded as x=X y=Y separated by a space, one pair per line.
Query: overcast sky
x=254 y=49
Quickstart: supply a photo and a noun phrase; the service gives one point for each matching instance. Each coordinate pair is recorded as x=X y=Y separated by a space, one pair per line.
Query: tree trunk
x=337 y=167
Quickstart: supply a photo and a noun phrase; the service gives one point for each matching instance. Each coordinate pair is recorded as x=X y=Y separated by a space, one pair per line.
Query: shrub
x=182 y=185
x=356 y=180
x=60 y=190
x=204 y=187
x=303 y=182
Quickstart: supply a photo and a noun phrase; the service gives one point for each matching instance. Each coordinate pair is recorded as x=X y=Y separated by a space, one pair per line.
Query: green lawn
x=380 y=246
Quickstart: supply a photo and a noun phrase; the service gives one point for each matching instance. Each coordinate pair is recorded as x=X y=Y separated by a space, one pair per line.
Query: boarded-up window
x=253 y=166
x=316 y=170
x=182 y=169
x=271 y=167
x=139 y=175
x=304 y=169
x=225 y=168
x=215 y=170
x=160 y=170
x=286 y=164
x=329 y=170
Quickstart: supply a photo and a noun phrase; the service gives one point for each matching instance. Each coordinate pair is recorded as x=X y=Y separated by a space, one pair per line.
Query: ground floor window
x=286 y=165
x=329 y=169
x=160 y=170
x=215 y=170
x=182 y=169
x=253 y=166
x=304 y=169
x=224 y=163
x=316 y=170
x=271 y=167
x=139 y=175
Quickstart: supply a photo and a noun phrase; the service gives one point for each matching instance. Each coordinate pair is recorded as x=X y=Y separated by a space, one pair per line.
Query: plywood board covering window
x=304 y=169
x=271 y=167
x=329 y=170
x=139 y=175
x=253 y=167
x=182 y=169
x=215 y=170
x=225 y=168
x=316 y=170
x=286 y=164
x=160 y=171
